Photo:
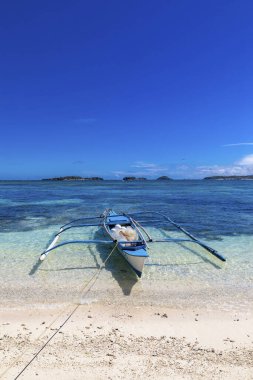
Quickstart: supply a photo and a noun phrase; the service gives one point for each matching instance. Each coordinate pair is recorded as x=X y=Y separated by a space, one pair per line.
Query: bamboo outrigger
x=129 y=235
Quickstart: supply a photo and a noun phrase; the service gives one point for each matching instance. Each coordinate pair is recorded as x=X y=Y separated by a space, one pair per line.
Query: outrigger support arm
x=53 y=246
x=78 y=220
x=68 y=227
x=193 y=238
x=64 y=228
x=172 y=241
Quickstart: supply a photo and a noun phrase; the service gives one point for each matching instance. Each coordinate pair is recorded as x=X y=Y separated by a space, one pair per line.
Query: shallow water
x=178 y=275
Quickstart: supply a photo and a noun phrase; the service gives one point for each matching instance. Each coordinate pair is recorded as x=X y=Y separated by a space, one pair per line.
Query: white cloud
x=242 y=167
x=140 y=164
x=149 y=167
x=142 y=169
x=246 y=161
x=239 y=144
x=222 y=170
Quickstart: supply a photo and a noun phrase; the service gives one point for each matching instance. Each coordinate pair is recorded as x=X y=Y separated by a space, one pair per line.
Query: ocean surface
x=220 y=213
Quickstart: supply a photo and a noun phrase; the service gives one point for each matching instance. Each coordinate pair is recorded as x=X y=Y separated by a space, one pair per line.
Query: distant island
x=230 y=177
x=134 y=179
x=125 y=179
x=164 y=178
x=73 y=178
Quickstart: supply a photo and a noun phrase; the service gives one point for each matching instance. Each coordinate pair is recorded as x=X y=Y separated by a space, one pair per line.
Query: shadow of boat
x=116 y=264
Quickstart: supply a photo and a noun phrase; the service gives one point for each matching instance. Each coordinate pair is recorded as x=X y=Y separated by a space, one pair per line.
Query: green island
x=164 y=178
x=134 y=179
x=73 y=178
x=231 y=177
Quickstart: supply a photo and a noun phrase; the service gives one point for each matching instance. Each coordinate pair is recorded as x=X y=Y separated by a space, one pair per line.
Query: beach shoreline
x=106 y=340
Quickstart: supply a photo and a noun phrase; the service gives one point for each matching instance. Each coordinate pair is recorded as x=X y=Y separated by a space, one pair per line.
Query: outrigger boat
x=127 y=233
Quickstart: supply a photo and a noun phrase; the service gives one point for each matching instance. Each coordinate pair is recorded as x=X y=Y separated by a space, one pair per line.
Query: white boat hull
x=134 y=252
x=136 y=262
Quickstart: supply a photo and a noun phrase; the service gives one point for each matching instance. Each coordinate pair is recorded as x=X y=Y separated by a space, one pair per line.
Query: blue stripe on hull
x=137 y=252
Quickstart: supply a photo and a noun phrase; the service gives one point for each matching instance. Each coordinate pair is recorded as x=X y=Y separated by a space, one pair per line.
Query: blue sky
x=128 y=87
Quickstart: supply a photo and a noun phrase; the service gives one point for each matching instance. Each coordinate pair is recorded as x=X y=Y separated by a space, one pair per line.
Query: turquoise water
x=217 y=212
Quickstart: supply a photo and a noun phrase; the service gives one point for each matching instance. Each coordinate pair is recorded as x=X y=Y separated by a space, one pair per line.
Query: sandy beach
x=110 y=341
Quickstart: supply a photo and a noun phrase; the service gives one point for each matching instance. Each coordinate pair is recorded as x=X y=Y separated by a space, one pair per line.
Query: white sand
x=110 y=341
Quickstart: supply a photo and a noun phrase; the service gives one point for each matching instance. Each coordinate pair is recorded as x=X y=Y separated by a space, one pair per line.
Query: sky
x=115 y=88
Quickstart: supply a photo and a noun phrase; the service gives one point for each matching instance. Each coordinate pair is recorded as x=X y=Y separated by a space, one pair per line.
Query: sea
x=180 y=275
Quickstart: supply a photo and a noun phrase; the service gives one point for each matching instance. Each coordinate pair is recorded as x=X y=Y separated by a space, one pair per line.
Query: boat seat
x=117 y=219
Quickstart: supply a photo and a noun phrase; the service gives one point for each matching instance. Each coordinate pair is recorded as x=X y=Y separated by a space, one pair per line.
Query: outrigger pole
x=192 y=237
x=65 y=227
x=69 y=225
x=53 y=246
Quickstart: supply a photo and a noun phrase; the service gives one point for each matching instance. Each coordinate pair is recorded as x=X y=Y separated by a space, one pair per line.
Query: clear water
x=180 y=275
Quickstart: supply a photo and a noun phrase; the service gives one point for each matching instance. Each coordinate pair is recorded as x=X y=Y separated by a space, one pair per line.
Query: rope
x=94 y=277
